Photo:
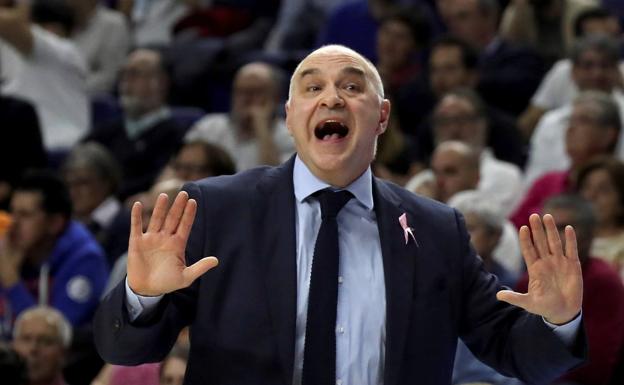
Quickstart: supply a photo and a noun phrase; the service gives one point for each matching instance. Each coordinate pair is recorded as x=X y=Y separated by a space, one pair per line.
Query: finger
x=570 y=243
x=526 y=246
x=159 y=213
x=539 y=236
x=175 y=213
x=513 y=298
x=136 y=220
x=188 y=217
x=191 y=273
x=552 y=234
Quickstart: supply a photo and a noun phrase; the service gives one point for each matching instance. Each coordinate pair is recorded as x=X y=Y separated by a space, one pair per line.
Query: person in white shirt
x=39 y=64
x=595 y=67
x=252 y=132
x=153 y=20
x=460 y=115
x=102 y=36
x=558 y=87
x=456 y=169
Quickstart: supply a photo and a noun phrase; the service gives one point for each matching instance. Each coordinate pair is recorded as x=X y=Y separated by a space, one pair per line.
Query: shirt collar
x=104 y=214
x=306 y=184
x=136 y=127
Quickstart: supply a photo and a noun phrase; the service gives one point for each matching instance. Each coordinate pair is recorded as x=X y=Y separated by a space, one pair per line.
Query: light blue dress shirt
x=361 y=312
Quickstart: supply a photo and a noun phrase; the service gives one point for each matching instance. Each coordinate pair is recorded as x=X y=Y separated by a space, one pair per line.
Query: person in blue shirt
x=47 y=258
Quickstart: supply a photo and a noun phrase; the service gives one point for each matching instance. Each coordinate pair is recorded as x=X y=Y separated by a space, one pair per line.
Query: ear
x=611 y=135
x=384 y=116
x=288 y=124
x=495 y=238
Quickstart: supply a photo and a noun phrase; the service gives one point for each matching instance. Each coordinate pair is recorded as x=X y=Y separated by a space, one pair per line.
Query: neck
x=58 y=380
x=38 y=254
x=608 y=229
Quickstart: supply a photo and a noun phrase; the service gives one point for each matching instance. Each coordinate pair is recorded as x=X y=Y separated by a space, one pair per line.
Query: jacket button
x=116 y=324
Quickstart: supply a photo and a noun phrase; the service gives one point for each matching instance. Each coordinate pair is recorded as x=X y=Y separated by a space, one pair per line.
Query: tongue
x=332 y=136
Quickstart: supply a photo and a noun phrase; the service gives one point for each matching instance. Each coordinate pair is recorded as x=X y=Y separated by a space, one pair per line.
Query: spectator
x=147 y=123
x=558 y=87
x=39 y=64
x=198 y=159
x=173 y=367
x=594 y=68
x=93 y=176
x=42 y=336
x=592 y=130
x=48 y=258
x=485 y=223
x=504 y=66
x=354 y=24
x=103 y=38
x=603 y=294
x=402 y=37
x=601 y=182
x=455 y=166
x=460 y=116
x=453 y=64
x=545 y=25
x=253 y=132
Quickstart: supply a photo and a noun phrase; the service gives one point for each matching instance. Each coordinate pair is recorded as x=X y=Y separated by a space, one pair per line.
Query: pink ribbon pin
x=407 y=231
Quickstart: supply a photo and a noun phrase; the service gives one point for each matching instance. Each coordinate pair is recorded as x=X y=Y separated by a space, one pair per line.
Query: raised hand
x=555 y=279
x=156 y=263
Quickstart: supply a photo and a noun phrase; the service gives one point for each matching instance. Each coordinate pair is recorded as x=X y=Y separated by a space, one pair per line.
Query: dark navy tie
x=319 y=357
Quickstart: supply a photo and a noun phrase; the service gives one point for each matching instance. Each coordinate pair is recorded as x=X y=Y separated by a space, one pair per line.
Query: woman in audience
x=173 y=367
x=602 y=183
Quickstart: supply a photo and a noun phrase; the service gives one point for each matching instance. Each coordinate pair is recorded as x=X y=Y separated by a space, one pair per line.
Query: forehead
x=585 y=108
x=143 y=60
x=330 y=63
x=446 y=52
x=37 y=326
x=255 y=75
x=25 y=198
x=447 y=157
x=452 y=103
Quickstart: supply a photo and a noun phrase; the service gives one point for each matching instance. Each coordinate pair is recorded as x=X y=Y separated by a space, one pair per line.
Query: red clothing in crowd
x=550 y=184
x=603 y=315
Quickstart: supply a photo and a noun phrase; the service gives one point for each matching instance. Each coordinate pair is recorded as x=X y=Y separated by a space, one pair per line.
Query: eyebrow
x=346 y=70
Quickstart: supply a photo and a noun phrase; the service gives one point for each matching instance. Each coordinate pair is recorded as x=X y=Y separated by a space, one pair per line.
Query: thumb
x=191 y=273
x=513 y=298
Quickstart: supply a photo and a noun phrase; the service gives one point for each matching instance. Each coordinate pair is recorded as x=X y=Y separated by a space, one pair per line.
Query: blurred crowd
x=500 y=108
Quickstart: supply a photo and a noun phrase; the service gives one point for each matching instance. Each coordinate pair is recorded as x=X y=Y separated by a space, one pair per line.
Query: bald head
x=332 y=50
x=456 y=168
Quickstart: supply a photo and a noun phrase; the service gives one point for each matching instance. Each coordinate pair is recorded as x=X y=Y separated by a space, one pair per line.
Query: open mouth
x=331 y=129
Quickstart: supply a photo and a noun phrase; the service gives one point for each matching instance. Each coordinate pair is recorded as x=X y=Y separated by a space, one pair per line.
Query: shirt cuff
x=137 y=305
x=566 y=332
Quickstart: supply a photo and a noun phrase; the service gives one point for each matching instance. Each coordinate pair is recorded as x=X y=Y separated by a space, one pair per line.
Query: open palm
x=555 y=280
x=156 y=262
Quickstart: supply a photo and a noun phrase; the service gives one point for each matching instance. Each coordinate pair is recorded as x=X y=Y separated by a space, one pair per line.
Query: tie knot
x=332 y=201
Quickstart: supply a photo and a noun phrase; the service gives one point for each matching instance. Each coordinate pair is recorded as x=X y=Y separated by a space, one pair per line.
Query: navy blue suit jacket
x=242 y=313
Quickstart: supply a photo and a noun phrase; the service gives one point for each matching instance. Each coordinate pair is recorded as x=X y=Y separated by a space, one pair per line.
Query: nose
x=332 y=99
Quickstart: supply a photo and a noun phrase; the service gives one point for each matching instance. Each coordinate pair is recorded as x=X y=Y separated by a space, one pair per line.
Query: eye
x=352 y=87
x=313 y=88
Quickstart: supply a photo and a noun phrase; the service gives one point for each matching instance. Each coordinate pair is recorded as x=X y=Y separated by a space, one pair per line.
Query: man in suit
x=404 y=294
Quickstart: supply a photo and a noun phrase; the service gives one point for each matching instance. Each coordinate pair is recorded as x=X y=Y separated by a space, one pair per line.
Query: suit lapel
x=275 y=216
x=399 y=265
